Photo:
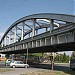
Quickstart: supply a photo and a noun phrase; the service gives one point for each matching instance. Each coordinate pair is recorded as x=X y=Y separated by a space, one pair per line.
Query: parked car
x=7 y=62
x=72 y=64
x=18 y=64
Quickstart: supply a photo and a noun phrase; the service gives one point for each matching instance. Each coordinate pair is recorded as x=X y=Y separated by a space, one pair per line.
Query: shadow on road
x=57 y=67
x=62 y=68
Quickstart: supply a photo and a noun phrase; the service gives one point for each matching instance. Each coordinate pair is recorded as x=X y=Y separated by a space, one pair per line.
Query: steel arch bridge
x=45 y=32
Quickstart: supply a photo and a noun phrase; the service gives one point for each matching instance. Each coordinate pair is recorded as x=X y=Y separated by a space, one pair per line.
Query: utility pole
x=27 y=56
x=52 y=61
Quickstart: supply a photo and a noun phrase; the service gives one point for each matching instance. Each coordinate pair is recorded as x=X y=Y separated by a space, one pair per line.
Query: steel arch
x=49 y=16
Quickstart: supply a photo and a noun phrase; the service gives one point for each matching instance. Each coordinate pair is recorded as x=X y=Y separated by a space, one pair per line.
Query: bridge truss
x=40 y=32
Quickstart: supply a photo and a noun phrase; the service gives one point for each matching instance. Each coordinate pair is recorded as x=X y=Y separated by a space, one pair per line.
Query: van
x=72 y=64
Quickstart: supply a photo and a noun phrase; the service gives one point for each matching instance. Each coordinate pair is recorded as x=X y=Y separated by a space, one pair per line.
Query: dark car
x=72 y=64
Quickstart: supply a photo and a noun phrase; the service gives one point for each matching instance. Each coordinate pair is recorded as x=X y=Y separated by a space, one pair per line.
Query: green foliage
x=37 y=54
x=73 y=55
x=57 y=58
x=62 y=58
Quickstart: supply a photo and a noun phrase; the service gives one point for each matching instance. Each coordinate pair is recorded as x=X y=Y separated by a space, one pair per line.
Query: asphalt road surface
x=35 y=67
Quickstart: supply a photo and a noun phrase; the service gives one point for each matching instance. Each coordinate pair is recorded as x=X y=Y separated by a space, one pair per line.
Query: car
x=72 y=64
x=15 y=64
x=7 y=62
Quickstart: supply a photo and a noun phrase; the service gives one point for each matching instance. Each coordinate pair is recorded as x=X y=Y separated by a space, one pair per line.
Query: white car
x=18 y=64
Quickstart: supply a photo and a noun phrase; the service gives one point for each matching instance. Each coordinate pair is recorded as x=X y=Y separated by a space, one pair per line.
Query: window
x=21 y=62
x=3 y=56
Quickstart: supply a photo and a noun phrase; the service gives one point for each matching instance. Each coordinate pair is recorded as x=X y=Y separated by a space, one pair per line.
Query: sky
x=12 y=10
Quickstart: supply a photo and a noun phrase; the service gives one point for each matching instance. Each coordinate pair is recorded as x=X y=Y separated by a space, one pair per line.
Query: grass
x=5 y=70
x=50 y=72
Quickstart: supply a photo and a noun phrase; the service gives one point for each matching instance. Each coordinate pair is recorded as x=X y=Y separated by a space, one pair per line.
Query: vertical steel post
x=58 y=40
x=45 y=41
x=2 y=43
x=46 y=29
x=29 y=35
x=36 y=44
x=5 y=40
x=9 y=37
x=51 y=40
x=66 y=38
x=40 y=42
x=33 y=29
x=36 y=32
x=22 y=32
x=32 y=44
x=51 y=25
x=15 y=34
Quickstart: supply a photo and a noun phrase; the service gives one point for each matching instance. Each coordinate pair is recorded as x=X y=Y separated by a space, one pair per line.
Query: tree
x=67 y=58
x=61 y=58
x=73 y=55
x=64 y=57
x=56 y=58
